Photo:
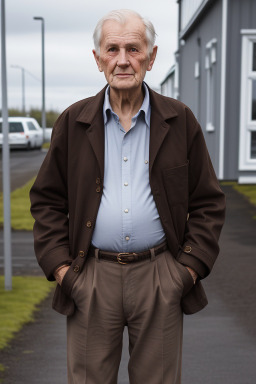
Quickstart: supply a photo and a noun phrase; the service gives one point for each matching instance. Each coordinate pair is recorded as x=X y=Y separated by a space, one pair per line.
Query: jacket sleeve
x=49 y=203
x=206 y=206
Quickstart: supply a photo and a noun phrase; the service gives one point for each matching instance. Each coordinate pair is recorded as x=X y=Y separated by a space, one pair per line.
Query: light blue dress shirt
x=128 y=220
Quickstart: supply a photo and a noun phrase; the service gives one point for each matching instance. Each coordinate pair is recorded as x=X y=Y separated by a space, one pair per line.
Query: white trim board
x=247 y=180
x=223 y=86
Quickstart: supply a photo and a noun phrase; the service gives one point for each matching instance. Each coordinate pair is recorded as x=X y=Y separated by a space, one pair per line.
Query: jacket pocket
x=186 y=278
x=66 y=284
x=62 y=303
x=176 y=184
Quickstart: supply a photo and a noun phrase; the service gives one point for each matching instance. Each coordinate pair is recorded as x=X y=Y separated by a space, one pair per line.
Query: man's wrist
x=192 y=273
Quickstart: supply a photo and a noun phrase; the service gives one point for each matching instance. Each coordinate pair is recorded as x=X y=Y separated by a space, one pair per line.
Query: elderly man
x=128 y=214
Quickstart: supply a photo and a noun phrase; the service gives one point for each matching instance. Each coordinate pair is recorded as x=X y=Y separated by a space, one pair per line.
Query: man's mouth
x=123 y=74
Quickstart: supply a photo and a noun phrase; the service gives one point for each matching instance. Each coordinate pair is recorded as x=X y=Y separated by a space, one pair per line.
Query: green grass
x=249 y=191
x=21 y=218
x=17 y=307
x=46 y=145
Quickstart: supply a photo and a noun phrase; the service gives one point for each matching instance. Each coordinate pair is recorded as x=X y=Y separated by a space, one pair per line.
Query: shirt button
x=125 y=158
x=98 y=180
x=146 y=161
x=187 y=249
x=127 y=238
x=126 y=184
x=126 y=210
x=81 y=253
x=98 y=189
x=88 y=224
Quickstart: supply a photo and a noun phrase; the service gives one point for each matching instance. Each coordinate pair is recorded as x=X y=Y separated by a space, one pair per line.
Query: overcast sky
x=71 y=73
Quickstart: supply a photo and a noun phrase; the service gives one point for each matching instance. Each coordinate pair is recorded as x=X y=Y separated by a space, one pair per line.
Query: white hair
x=122 y=16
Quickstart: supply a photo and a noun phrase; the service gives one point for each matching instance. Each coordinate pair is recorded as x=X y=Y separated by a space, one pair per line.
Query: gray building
x=169 y=86
x=216 y=66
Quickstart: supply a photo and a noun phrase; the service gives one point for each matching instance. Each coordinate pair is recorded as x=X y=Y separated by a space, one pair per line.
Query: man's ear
x=97 y=59
x=152 y=58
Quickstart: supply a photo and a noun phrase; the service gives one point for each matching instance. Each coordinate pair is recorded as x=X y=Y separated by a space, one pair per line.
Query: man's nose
x=122 y=60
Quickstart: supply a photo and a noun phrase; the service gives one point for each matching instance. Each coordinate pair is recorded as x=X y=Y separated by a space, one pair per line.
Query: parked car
x=24 y=132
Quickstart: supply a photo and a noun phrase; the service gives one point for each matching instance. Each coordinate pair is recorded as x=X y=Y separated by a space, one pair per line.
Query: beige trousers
x=144 y=296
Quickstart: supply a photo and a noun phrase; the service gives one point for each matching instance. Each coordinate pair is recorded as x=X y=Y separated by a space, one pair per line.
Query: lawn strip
x=17 y=306
x=21 y=218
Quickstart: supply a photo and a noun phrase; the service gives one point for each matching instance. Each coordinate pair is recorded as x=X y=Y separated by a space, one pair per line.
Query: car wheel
x=29 y=146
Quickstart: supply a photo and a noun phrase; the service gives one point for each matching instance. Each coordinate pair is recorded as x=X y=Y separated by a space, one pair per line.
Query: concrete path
x=219 y=342
x=24 y=166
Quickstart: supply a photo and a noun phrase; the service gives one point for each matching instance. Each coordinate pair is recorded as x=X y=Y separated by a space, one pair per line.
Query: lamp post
x=23 y=85
x=6 y=161
x=43 y=77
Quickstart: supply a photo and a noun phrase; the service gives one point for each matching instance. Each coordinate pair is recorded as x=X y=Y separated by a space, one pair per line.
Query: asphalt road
x=219 y=342
x=23 y=166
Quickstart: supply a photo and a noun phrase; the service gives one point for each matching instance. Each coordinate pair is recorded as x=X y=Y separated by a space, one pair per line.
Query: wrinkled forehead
x=133 y=29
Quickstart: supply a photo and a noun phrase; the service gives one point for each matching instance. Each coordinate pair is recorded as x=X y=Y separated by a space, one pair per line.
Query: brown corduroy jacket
x=66 y=195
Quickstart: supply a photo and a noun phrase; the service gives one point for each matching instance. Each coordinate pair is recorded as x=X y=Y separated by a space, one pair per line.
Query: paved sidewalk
x=219 y=342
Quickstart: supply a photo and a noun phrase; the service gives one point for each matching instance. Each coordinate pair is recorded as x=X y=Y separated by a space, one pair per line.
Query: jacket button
x=81 y=253
x=88 y=224
x=98 y=180
x=187 y=249
x=98 y=189
x=76 y=268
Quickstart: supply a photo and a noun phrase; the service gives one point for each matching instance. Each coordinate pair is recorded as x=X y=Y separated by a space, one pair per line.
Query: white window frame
x=247 y=125
x=210 y=61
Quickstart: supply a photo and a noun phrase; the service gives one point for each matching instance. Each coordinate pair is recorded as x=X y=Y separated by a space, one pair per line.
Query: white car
x=24 y=132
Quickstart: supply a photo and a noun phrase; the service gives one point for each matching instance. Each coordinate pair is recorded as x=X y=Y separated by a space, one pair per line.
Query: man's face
x=124 y=57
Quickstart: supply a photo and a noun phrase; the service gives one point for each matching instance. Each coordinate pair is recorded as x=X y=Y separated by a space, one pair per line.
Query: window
x=15 y=127
x=253 y=100
x=210 y=61
x=253 y=145
x=31 y=126
x=254 y=58
x=197 y=70
x=247 y=150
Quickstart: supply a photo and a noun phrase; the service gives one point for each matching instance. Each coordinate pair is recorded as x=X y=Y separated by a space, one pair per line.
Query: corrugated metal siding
x=193 y=91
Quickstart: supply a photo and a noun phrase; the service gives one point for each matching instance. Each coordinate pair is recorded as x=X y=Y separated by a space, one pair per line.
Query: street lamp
x=6 y=160
x=23 y=85
x=43 y=77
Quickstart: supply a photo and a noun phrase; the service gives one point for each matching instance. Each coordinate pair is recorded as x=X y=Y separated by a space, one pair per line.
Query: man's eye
x=133 y=49
x=112 y=49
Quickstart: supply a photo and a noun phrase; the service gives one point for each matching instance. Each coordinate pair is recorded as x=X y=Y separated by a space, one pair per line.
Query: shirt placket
x=126 y=192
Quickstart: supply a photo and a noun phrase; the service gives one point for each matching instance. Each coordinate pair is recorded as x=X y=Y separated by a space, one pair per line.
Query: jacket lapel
x=160 y=113
x=92 y=116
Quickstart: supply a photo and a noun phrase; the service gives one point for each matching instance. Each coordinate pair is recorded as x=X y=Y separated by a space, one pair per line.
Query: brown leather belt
x=126 y=257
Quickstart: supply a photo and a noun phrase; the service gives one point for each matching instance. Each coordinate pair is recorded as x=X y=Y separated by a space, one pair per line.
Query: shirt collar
x=145 y=107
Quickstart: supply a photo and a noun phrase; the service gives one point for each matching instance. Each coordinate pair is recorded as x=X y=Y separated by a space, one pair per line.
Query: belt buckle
x=119 y=257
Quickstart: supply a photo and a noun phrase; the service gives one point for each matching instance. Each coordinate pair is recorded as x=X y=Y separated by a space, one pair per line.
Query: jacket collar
x=90 y=112
x=92 y=116
x=160 y=107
